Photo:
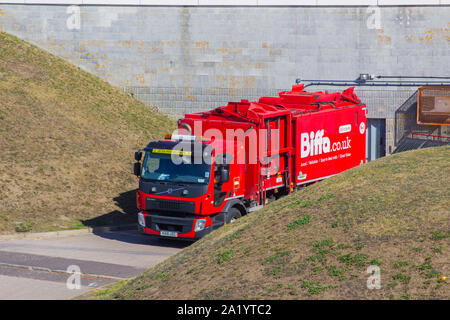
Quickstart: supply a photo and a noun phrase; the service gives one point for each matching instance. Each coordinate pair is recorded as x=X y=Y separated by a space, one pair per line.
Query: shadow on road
x=126 y=201
x=134 y=237
x=125 y=216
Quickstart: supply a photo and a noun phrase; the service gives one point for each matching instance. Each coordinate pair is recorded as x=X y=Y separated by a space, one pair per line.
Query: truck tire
x=233 y=215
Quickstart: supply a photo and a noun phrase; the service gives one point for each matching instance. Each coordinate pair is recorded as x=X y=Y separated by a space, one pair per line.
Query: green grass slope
x=318 y=243
x=66 y=142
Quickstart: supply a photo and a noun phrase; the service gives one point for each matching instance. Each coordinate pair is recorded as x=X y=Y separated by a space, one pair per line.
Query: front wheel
x=233 y=215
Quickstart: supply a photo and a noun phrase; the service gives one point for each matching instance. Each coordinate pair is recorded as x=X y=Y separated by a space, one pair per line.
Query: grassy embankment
x=318 y=243
x=66 y=143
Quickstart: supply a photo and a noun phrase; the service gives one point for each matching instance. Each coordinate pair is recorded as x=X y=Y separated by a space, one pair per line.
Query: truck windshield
x=160 y=167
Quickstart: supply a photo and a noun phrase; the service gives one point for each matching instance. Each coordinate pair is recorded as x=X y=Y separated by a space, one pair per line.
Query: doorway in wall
x=375 y=139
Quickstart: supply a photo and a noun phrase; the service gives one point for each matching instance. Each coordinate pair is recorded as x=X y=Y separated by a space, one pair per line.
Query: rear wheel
x=233 y=215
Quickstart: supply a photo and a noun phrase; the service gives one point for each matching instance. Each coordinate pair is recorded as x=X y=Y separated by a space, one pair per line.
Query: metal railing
x=415 y=135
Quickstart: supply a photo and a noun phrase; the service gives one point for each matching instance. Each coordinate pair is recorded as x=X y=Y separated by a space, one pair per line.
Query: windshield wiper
x=172 y=190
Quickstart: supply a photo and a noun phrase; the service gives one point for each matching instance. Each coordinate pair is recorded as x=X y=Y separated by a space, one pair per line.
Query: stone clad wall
x=190 y=58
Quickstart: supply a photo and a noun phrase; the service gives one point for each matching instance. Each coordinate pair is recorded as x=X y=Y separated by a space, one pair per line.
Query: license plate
x=169 y=234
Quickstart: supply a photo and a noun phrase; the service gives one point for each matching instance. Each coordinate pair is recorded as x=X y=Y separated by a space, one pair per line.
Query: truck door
x=222 y=164
x=275 y=141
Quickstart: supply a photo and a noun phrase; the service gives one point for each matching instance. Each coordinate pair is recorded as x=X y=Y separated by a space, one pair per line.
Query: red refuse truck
x=222 y=164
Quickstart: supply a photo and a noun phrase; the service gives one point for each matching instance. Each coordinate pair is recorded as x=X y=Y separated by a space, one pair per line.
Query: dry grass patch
x=66 y=140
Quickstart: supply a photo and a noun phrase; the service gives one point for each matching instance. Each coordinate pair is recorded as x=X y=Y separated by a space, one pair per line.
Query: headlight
x=141 y=219
x=199 y=225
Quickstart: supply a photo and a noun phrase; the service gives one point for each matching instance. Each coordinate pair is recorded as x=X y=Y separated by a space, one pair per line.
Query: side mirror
x=224 y=175
x=137 y=169
x=138 y=156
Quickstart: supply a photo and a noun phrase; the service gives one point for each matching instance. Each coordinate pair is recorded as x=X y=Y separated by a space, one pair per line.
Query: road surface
x=66 y=267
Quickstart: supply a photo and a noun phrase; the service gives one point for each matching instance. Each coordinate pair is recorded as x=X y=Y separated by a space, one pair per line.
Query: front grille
x=170 y=227
x=169 y=205
x=175 y=214
x=170 y=221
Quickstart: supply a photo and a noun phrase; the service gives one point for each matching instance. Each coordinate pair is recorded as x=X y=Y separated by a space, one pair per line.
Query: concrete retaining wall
x=189 y=58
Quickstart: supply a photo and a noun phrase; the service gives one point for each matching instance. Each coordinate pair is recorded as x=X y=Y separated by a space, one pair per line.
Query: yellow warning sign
x=170 y=151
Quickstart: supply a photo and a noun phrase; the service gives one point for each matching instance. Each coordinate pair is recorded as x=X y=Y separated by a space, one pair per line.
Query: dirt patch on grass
x=66 y=143
x=318 y=243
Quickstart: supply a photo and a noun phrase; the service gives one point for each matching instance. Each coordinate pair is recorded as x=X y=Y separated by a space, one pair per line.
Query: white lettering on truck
x=316 y=143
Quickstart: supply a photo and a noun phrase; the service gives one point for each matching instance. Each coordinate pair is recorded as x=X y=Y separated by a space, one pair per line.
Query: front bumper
x=182 y=226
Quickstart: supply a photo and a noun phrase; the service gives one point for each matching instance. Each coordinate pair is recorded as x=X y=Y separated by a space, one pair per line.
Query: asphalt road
x=48 y=268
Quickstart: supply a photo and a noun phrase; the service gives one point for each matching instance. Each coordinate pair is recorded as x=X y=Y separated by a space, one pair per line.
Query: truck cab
x=187 y=187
